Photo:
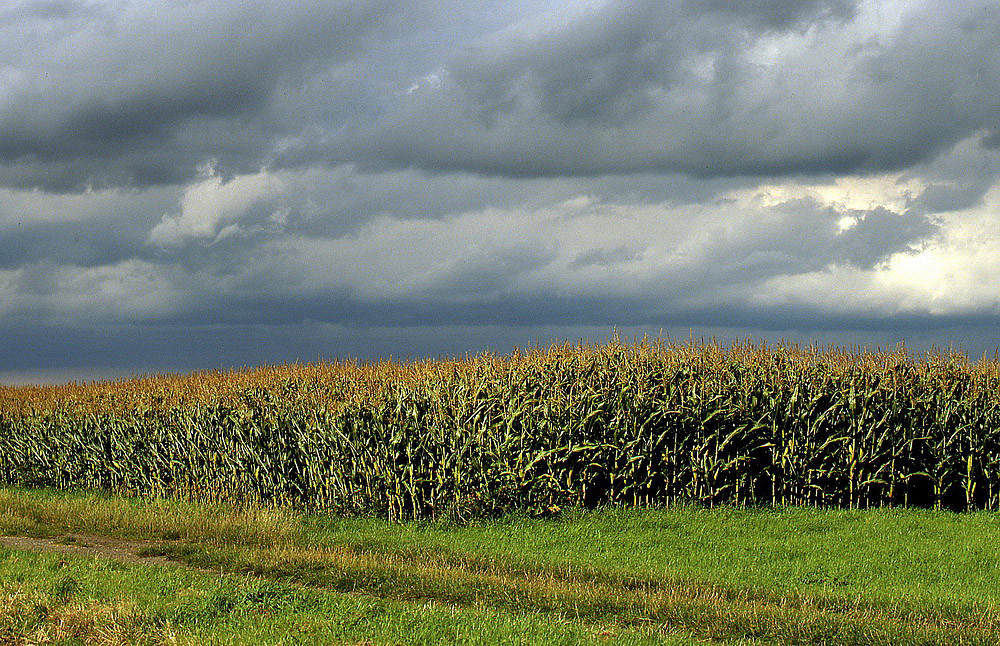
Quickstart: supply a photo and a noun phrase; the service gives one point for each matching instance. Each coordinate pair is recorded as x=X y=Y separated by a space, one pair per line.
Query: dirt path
x=106 y=547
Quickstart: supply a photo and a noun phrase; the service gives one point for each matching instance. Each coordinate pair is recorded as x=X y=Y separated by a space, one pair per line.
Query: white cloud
x=955 y=273
x=727 y=248
x=960 y=273
x=131 y=290
x=20 y=208
x=212 y=208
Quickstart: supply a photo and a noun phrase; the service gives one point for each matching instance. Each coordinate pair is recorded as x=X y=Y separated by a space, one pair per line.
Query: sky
x=201 y=184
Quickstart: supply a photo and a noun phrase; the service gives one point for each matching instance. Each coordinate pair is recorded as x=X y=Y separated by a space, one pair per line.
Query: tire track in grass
x=711 y=612
x=122 y=550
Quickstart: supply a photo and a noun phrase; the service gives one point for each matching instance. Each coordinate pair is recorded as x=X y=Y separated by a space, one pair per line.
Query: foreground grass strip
x=707 y=611
x=601 y=570
x=48 y=599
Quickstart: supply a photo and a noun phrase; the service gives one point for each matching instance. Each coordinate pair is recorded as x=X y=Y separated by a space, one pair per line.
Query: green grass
x=724 y=575
x=48 y=599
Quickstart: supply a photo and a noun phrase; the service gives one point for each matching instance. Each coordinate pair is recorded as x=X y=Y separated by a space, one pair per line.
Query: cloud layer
x=215 y=183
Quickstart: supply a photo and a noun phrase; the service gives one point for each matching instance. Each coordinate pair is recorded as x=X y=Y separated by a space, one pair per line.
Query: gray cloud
x=453 y=270
x=940 y=198
x=189 y=182
x=129 y=93
x=647 y=86
x=605 y=257
x=777 y=14
x=84 y=244
x=617 y=87
x=879 y=233
x=605 y=66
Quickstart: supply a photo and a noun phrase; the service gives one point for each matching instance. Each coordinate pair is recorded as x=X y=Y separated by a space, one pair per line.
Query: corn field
x=644 y=423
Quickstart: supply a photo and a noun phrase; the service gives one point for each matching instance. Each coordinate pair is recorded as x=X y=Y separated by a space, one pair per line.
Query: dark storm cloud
x=527 y=311
x=941 y=198
x=603 y=66
x=141 y=92
x=690 y=88
x=130 y=93
x=776 y=14
x=84 y=244
x=879 y=233
x=237 y=182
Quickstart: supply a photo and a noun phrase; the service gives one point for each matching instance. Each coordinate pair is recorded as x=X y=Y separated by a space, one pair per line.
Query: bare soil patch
x=106 y=547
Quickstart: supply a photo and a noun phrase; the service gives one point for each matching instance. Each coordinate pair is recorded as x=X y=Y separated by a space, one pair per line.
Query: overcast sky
x=194 y=184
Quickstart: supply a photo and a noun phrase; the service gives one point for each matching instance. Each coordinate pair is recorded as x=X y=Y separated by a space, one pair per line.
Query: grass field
x=680 y=575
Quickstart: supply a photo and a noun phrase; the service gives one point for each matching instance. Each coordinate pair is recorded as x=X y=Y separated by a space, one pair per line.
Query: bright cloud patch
x=211 y=208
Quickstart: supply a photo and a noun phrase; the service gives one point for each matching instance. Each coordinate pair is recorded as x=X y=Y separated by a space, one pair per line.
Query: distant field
x=683 y=575
x=618 y=424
